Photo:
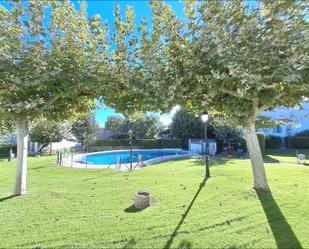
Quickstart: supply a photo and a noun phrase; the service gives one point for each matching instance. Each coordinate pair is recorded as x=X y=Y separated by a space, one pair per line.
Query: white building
x=33 y=147
x=296 y=120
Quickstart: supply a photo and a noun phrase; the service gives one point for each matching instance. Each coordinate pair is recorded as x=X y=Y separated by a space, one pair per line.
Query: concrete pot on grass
x=142 y=199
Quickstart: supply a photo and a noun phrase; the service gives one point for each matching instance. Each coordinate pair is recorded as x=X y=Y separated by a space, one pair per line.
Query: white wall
x=196 y=146
x=64 y=144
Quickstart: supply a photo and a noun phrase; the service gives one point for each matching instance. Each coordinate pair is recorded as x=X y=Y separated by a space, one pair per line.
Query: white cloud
x=175 y=109
x=165 y=120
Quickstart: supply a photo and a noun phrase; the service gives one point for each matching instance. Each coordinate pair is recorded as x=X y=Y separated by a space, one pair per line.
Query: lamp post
x=288 y=133
x=131 y=148
x=204 y=119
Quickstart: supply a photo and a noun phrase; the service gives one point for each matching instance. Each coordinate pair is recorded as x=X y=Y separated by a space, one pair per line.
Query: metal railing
x=79 y=158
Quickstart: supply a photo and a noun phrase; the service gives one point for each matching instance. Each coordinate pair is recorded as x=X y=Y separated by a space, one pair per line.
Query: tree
x=51 y=59
x=228 y=58
x=304 y=133
x=186 y=125
x=226 y=133
x=85 y=129
x=143 y=126
x=6 y=127
x=116 y=125
x=46 y=132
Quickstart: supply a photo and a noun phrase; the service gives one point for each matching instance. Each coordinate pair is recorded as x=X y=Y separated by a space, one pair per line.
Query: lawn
x=286 y=156
x=78 y=208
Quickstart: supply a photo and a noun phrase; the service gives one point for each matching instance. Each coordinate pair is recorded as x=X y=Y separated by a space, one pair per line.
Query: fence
x=84 y=158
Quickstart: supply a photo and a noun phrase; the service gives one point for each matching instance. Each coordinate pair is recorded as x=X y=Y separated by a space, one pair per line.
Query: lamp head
x=204 y=117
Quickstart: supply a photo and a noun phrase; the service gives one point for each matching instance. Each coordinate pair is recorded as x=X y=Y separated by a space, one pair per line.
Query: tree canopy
x=46 y=132
x=228 y=57
x=186 y=125
x=85 y=129
x=143 y=126
x=45 y=65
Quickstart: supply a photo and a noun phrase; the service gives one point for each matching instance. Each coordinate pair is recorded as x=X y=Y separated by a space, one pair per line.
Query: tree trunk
x=43 y=146
x=22 y=127
x=257 y=163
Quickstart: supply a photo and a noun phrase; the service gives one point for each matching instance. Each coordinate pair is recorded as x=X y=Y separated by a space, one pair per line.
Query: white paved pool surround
x=70 y=161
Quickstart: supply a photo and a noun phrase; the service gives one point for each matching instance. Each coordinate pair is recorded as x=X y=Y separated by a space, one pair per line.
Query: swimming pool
x=148 y=156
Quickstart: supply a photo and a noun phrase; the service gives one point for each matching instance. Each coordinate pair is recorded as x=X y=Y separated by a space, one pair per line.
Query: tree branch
x=235 y=94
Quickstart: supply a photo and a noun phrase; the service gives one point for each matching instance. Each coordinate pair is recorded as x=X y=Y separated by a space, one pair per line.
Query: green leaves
x=85 y=129
x=51 y=59
x=226 y=58
x=45 y=132
x=143 y=126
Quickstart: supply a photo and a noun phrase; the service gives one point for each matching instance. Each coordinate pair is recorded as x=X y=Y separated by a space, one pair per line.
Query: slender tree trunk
x=257 y=163
x=43 y=146
x=22 y=127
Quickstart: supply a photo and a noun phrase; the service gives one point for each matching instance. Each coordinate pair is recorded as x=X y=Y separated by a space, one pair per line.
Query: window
x=277 y=129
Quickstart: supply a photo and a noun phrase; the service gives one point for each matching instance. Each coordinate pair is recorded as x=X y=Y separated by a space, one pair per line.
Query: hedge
x=304 y=133
x=299 y=142
x=143 y=143
x=219 y=145
x=261 y=137
x=272 y=142
x=243 y=143
x=4 y=150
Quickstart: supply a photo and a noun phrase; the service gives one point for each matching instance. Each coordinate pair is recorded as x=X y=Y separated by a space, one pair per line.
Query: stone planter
x=142 y=199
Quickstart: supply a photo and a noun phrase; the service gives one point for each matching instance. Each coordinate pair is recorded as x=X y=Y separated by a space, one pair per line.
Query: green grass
x=286 y=156
x=75 y=208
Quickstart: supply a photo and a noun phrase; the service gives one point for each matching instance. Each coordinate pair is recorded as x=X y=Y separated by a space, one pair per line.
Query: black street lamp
x=289 y=140
x=131 y=148
x=204 y=118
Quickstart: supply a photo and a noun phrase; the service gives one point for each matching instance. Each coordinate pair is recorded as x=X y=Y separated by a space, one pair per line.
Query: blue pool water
x=107 y=158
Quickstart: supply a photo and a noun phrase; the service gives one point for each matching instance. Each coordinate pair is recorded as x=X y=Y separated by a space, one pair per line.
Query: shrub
x=142 y=143
x=272 y=142
x=299 y=142
x=219 y=145
x=242 y=142
x=302 y=134
x=4 y=150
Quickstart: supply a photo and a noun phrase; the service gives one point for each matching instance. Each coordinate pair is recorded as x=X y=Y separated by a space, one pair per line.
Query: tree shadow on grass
x=37 y=168
x=7 y=198
x=185 y=244
x=132 y=209
x=213 y=162
x=282 y=231
x=130 y=244
x=174 y=234
x=270 y=159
